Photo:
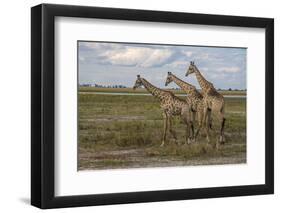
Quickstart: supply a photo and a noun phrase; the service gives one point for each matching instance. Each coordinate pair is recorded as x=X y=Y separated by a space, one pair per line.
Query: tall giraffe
x=194 y=99
x=213 y=100
x=171 y=106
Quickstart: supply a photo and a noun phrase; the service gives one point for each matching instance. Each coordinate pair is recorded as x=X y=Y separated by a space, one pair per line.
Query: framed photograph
x=140 y=106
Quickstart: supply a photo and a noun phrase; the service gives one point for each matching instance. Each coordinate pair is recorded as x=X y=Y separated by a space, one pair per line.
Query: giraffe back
x=174 y=105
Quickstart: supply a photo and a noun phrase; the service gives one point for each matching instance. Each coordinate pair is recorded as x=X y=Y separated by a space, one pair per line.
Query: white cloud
x=136 y=56
x=100 y=45
x=158 y=56
x=203 y=56
x=216 y=76
x=229 y=69
x=178 y=64
x=187 y=53
x=204 y=68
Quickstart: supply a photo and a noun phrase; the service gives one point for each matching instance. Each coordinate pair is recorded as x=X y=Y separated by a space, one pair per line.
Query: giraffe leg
x=206 y=118
x=200 y=121
x=191 y=130
x=173 y=133
x=209 y=119
x=222 y=137
x=193 y=113
x=165 y=119
x=188 y=129
x=189 y=120
x=187 y=140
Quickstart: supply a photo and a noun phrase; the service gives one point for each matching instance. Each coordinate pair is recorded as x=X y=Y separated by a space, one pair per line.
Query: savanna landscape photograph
x=160 y=105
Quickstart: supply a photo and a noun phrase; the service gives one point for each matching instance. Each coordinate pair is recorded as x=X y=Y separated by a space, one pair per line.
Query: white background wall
x=15 y=105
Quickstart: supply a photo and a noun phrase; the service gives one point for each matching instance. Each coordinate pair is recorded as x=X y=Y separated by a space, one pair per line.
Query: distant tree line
x=219 y=89
x=122 y=86
x=102 y=86
x=230 y=89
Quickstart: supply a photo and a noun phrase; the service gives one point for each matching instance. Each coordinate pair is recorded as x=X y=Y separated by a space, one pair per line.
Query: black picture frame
x=43 y=105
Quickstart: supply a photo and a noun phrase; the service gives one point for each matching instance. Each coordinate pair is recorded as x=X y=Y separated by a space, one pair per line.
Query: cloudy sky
x=118 y=63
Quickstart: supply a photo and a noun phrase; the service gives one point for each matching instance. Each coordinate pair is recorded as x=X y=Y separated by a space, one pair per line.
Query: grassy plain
x=124 y=131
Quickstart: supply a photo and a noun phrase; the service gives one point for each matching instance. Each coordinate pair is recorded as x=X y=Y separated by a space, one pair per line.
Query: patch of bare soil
x=114 y=118
x=136 y=158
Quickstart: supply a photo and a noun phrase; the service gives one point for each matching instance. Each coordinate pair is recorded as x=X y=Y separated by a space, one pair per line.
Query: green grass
x=119 y=131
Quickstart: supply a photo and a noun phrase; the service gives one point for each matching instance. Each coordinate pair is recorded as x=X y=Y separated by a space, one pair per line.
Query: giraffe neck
x=156 y=92
x=204 y=84
x=188 y=88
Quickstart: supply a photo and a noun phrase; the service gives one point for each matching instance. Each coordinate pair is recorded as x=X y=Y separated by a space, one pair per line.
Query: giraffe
x=171 y=106
x=194 y=99
x=213 y=101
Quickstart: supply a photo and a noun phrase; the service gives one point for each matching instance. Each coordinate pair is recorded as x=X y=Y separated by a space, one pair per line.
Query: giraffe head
x=191 y=68
x=138 y=82
x=169 y=78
